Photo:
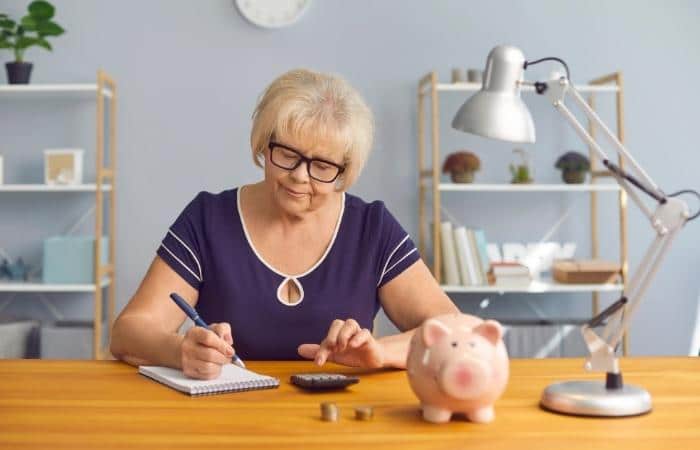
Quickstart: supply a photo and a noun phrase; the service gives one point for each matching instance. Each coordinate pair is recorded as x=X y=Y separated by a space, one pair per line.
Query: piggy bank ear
x=433 y=331
x=491 y=330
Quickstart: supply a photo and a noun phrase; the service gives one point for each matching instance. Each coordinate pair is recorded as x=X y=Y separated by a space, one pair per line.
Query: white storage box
x=63 y=166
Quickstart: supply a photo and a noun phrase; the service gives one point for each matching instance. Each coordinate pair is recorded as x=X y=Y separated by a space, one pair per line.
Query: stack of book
x=465 y=261
x=509 y=274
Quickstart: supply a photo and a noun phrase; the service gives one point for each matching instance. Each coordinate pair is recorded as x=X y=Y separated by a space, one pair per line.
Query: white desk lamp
x=498 y=112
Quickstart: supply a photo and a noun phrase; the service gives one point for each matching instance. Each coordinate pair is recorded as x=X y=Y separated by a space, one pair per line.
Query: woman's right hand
x=204 y=352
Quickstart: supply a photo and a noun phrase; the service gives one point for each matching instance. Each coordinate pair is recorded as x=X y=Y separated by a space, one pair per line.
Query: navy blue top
x=208 y=246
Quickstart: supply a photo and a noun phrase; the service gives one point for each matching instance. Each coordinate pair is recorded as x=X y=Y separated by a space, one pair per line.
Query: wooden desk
x=100 y=404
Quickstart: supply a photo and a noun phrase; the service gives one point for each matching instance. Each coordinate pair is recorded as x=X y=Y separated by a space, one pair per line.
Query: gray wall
x=189 y=74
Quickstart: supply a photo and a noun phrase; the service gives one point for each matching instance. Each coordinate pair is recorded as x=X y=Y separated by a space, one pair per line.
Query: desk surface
x=97 y=404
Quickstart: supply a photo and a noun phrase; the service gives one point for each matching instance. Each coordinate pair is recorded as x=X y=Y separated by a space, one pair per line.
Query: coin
x=364 y=413
x=329 y=412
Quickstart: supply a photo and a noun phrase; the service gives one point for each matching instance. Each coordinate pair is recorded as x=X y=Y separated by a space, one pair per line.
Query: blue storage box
x=71 y=259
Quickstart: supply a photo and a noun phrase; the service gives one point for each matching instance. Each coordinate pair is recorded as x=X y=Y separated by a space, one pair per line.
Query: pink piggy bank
x=457 y=363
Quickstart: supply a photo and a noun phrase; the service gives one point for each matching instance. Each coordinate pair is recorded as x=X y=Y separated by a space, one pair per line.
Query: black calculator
x=323 y=381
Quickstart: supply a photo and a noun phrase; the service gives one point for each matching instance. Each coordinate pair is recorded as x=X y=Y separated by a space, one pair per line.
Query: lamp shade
x=497 y=111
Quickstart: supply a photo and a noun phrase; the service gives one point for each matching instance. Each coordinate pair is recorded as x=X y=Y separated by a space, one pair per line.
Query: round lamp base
x=591 y=398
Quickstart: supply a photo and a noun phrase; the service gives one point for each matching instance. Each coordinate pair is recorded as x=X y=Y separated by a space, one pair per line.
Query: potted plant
x=461 y=166
x=573 y=167
x=33 y=29
x=521 y=173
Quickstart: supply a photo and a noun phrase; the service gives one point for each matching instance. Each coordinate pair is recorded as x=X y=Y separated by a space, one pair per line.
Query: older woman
x=292 y=266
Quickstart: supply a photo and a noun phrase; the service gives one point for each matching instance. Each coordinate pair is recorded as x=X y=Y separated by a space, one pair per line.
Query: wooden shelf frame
x=105 y=175
x=429 y=175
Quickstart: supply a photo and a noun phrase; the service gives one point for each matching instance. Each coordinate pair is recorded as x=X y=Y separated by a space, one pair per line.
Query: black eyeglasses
x=288 y=158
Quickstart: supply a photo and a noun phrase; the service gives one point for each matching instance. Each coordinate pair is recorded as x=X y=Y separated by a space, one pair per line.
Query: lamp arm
x=637 y=290
x=615 y=141
x=556 y=91
x=667 y=219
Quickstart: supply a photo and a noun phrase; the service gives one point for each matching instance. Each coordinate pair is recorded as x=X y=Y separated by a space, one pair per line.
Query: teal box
x=71 y=259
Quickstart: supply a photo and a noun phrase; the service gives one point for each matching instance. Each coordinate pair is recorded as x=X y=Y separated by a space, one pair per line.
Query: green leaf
x=5 y=44
x=7 y=24
x=25 y=42
x=41 y=10
x=41 y=42
x=50 y=29
x=29 y=23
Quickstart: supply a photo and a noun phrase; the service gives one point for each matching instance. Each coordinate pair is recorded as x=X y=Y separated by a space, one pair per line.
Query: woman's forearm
x=137 y=340
x=396 y=349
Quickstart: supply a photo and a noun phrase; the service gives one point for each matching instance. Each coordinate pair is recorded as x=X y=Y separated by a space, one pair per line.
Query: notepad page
x=231 y=379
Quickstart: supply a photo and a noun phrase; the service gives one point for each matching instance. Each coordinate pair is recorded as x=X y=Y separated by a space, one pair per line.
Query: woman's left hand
x=348 y=344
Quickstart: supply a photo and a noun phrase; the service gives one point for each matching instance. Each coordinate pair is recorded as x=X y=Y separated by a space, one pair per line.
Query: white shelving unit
x=536 y=287
x=104 y=94
x=43 y=90
x=56 y=188
x=446 y=187
x=473 y=87
x=47 y=287
x=430 y=186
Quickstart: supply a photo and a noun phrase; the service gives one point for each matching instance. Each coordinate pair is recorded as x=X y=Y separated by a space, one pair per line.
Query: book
x=461 y=248
x=231 y=379
x=509 y=269
x=449 y=257
x=513 y=281
x=482 y=244
x=476 y=258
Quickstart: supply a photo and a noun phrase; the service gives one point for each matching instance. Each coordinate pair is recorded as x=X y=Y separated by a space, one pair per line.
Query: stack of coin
x=364 y=413
x=329 y=412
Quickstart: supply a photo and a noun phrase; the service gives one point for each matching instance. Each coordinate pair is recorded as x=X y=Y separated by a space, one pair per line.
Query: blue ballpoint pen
x=192 y=314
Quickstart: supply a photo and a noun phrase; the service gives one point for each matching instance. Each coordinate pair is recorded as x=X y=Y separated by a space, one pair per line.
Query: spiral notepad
x=231 y=379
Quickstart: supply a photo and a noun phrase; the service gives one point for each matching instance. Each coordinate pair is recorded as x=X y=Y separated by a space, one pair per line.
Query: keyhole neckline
x=269 y=266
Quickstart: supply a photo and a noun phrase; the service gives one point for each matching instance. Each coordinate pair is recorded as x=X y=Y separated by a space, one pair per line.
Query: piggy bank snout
x=464 y=378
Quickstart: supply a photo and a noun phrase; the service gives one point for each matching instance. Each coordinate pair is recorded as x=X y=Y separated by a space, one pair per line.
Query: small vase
x=462 y=177
x=18 y=72
x=573 y=176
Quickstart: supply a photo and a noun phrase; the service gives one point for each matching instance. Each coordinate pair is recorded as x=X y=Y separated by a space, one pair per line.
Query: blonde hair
x=316 y=108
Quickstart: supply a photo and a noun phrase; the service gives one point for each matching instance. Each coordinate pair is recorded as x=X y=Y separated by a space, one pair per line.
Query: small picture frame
x=63 y=166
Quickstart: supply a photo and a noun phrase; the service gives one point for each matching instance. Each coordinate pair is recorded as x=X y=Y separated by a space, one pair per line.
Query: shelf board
x=60 y=90
x=554 y=187
x=535 y=287
x=52 y=188
x=38 y=286
x=473 y=87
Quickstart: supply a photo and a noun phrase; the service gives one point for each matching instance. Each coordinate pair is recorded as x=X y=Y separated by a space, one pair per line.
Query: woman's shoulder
x=359 y=205
x=372 y=213
x=206 y=203
x=215 y=198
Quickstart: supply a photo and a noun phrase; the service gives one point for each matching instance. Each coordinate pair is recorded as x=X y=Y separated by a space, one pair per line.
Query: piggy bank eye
x=472 y=344
x=454 y=344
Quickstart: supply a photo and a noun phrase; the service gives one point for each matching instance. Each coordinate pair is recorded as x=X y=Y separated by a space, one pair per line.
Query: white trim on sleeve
x=199 y=267
x=397 y=262
x=180 y=261
x=391 y=255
